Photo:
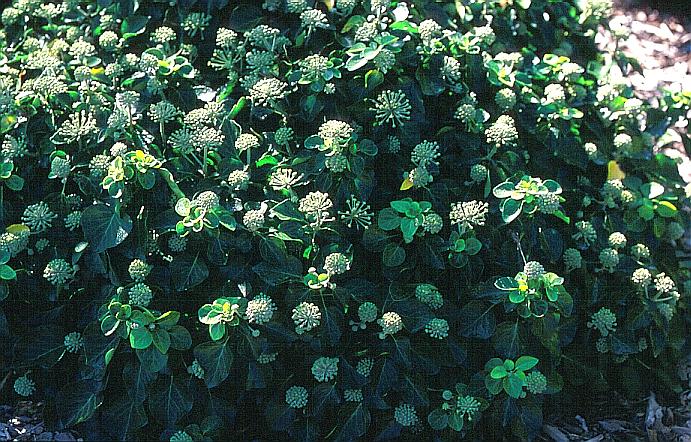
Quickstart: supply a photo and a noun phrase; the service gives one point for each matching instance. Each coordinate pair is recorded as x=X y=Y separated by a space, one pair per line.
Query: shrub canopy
x=336 y=220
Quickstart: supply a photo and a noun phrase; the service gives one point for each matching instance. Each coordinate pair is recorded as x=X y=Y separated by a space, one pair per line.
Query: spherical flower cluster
x=58 y=271
x=314 y=18
x=554 y=94
x=140 y=294
x=195 y=369
x=364 y=367
x=206 y=200
x=283 y=135
x=247 y=141
x=73 y=342
x=177 y=243
x=41 y=244
x=640 y=251
x=315 y=203
x=14 y=243
x=590 y=150
x=108 y=40
x=467 y=406
x=24 y=386
x=419 y=176
x=238 y=179
x=336 y=264
x=267 y=358
x=602 y=345
x=163 y=34
x=325 y=369
x=391 y=107
x=451 y=69
x=548 y=203
x=502 y=132
x=536 y=382
x=73 y=220
x=352 y=395
x=138 y=270
x=38 y=217
x=586 y=232
x=284 y=178
x=162 y=112
x=469 y=214
x=437 y=328
x=367 y=312
x=60 y=168
x=429 y=295
x=623 y=142
x=296 y=396
x=268 y=90
x=181 y=436
x=609 y=258
x=306 y=316
x=406 y=415
x=617 y=240
x=254 y=219
x=391 y=323
x=425 y=153
x=432 y=223
x=337 y=131
x=533 y=270
x=478 y=173
x=604 y=321
x=664 y=284
x=98 y=165
x=505 y=99
x=428 y=29
x=336 y=163
x=641 y=278
x=260 y=310
x=225 y=37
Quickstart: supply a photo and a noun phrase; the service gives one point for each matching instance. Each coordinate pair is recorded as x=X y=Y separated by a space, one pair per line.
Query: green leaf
x=216 y=359
x=506 y=283
x=126 y=417
x=456 y=421
x=7 y=273
x=516 y=296
x=510 y=209
x=409 y=228
x=217 y=331
x=140 y=338
x=438 y=419
x=75 y=403
x=498 y=372
x=180 y=338
x=525 y=363
x=472 y=246
x=188 y=271
x=15 y=182
x=170 y=399
x=388 y=219
x=525 y=4
x=356 y=425
x=666 y=209
x=513 y=385
x=104 y=228
x=161 y=340
x=393 y=255
x=133 y=25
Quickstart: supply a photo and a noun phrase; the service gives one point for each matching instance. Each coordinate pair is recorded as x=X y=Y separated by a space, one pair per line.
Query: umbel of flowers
x=332 y=220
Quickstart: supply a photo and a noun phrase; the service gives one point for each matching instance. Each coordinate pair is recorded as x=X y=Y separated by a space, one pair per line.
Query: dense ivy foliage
x=332 y=220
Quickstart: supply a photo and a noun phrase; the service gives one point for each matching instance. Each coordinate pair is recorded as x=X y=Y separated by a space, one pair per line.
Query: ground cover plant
x=334 y=220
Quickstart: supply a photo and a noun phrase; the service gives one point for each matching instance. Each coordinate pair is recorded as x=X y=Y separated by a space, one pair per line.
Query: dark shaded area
x=679 y=8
